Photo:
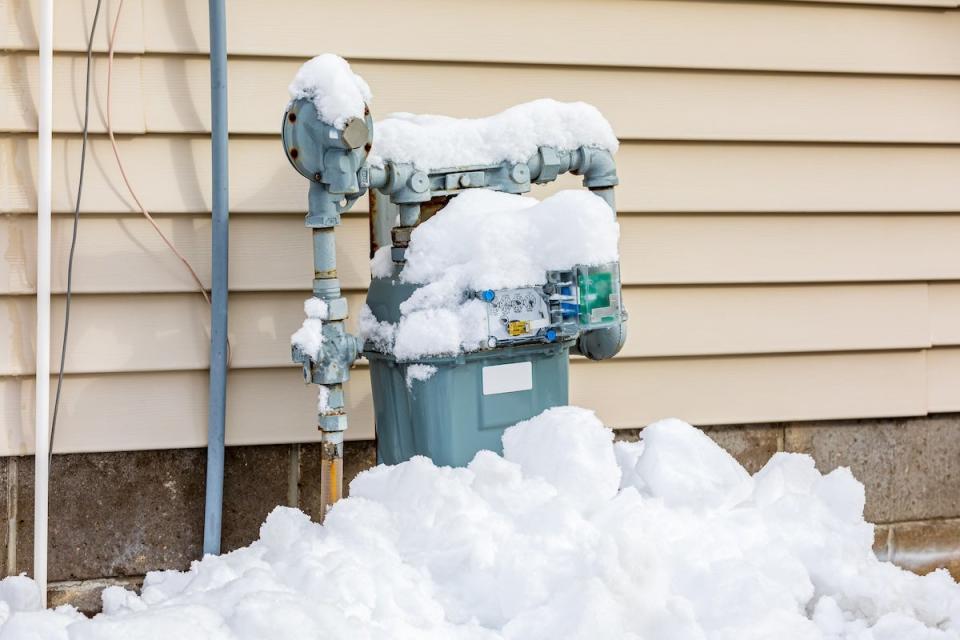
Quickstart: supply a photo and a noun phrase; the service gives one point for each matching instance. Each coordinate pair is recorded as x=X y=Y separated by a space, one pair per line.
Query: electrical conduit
x=213 y=509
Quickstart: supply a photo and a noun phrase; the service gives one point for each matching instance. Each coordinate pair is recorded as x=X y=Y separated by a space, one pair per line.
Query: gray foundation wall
x=115 y=516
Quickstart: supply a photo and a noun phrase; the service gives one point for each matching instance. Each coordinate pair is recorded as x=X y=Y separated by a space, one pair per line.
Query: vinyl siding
x=788 y=203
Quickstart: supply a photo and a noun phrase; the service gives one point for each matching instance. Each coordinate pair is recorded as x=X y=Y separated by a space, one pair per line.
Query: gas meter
x=446 y=406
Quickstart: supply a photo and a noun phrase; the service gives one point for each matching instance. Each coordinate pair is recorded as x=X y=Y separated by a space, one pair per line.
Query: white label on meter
x=504 y=378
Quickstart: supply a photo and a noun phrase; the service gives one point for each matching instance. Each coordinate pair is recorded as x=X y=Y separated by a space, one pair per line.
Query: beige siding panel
x=126 y=255
x=753 y=389
x=162 y=410
x=612 y=32
x=172 y=174
x=943 y=375
x=947 y=4
x=171 y=331
x=793 y=248
x=810 y=178
x=672 y=321
x=945 y=313
x=651 y=33
x=19 y=76
x=273 y=252
x=640 y=103
x=169 y=410
x=71 y=25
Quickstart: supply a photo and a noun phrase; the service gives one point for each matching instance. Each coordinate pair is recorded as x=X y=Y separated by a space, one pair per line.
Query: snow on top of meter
x=432 y=142
x=483 y=240
x=335 y=90
x=567 y=535
x=493 y=240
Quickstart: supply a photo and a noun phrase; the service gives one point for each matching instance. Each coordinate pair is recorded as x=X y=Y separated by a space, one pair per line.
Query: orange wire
x=123 y=173
x=126 y=180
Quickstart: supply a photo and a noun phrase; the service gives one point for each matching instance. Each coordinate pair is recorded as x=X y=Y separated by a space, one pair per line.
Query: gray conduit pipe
x=213 y=508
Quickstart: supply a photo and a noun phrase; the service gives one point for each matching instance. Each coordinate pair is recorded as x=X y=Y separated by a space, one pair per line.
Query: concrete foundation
x=115 y=516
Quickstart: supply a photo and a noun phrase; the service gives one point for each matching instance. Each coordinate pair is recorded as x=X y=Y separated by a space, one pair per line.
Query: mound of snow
x=439 y=142
x=566 y=536
x=482 y=240
x=335 y=90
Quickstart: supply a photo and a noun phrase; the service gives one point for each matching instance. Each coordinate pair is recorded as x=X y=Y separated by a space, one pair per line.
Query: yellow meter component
x=518 y=327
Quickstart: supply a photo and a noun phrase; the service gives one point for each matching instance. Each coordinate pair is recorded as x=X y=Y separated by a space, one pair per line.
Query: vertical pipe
x=331 y=470
x=213 y=511
x=326 y=286
x=607 y=194
x=42 y=448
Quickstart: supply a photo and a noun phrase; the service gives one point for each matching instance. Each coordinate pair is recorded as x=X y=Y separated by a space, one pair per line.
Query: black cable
x=76 y=223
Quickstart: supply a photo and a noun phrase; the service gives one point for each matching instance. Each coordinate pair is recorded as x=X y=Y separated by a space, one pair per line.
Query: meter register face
x=517 y=314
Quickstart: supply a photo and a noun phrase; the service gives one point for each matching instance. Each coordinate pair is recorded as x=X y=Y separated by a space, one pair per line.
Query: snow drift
x=567 y=535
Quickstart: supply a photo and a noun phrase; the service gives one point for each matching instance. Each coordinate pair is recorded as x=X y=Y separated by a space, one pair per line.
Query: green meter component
x=598 y=289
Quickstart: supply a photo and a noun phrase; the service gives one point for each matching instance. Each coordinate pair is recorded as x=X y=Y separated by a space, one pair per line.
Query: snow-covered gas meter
x=479 y=293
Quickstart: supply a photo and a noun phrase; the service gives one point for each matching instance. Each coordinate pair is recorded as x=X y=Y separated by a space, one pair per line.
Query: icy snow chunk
x=843 y=494
x=420 y=373
x=685 y=468
x=309 y=337
x=627 y=455
x=381 y=334
x=438 y=142
x=315 y=308
x=20 y=593
x=323 y=398
x=429 y=331
x=22 y=616
x=569 y=448
x=443 y=331
x=335 y=90
x=381 y=265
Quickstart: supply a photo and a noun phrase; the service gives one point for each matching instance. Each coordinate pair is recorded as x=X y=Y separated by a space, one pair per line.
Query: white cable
x=42 y=444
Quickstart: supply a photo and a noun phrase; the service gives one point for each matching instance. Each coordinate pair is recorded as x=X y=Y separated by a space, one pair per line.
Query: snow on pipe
x=216 y=426
x=42 y=448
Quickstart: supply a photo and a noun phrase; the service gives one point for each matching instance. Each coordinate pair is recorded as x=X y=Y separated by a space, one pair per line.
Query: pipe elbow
x=602 y=344
x=598 y=168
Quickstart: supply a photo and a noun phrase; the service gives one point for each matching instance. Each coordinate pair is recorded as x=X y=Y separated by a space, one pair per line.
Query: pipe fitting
x=602 y=344
x=597 y=168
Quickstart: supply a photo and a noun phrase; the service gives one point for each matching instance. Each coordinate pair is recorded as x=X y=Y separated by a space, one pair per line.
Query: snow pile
x=568 y=535
x=438 y=142
x=337 y=92
x=483 y=240
x=309 y=337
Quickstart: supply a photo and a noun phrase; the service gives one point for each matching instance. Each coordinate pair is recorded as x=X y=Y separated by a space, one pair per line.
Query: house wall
x=789 y=206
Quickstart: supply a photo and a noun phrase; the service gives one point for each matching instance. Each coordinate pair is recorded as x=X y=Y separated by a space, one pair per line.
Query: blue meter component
x=573 y=301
